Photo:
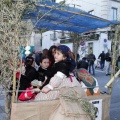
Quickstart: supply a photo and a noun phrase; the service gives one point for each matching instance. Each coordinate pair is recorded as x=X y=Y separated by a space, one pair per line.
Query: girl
x=60 y=72
x=51 y=53
x=43 y=71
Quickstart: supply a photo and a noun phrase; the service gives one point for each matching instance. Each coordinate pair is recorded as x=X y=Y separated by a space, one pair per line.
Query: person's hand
x=45 y=90
x=36 y=90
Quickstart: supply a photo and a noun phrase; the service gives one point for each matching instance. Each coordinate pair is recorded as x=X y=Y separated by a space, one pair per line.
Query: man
x=108 y=62
x=102 y=59
x=91 y=59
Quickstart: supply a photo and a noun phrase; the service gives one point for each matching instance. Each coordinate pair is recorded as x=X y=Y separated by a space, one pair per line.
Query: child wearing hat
x=60 y=72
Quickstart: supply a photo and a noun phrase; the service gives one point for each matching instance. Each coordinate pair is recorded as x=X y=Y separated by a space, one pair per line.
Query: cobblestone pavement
x=102 y=80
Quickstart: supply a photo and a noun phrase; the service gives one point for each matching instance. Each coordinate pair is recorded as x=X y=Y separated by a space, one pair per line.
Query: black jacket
x=42 y=73
x=62 y=66
x=107 y=57
x=25 y=80
x=102 y=56
x=82 y=64
x=91 y=58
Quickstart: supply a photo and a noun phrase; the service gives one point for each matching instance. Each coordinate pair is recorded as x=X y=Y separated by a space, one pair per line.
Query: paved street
x=115 y=97
x=102 y=80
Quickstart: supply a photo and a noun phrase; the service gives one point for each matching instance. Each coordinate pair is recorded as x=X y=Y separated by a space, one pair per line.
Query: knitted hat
x=65 y=49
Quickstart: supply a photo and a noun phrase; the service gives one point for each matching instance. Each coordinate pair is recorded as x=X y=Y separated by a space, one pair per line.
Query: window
x=114 y=13
x=91 y=12
x=90 y=47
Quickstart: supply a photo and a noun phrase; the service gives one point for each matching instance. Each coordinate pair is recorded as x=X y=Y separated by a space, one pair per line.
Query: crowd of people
x=45 y=72
x=88 y=62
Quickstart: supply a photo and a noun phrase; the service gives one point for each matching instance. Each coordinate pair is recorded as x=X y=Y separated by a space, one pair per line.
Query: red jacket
x=27 y=95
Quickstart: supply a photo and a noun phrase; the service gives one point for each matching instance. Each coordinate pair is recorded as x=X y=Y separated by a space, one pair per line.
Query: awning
x=54 y=16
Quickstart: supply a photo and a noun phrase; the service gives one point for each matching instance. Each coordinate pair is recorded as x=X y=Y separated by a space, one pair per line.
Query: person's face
x=59 y=56
x=53 y=51
x=45 y=63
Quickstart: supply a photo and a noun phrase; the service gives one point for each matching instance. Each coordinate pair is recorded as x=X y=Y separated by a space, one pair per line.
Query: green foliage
x=12 y=27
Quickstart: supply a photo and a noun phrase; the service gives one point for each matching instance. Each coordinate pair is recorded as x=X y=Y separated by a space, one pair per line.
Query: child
x=60 y=72
x=26 y=79
x=43 y=71
x=51 y=53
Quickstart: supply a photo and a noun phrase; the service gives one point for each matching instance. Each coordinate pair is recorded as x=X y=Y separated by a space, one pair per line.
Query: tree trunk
x=7 y=105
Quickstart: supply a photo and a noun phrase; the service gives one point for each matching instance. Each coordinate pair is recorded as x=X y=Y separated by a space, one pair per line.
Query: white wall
x=98 y=46
x=102 y=8
x=47 y=42
x=37 y=38
x=115 y=5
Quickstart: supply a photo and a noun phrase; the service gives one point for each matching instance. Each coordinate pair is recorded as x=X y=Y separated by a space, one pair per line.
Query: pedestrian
x=108 y=62
x=91 y=59
x=102 y=60
x=83 y=64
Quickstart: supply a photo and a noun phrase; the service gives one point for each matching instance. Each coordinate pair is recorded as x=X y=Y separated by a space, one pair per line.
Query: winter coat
x=102 y=56
x=82 y=64
x=62 y=66
x=107 y=57
x=44 y=75
x=25 y=80
x=91 y=59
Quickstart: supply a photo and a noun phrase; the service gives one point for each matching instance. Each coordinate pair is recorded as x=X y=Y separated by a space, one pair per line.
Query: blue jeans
x=91 y=67
x=102 y=64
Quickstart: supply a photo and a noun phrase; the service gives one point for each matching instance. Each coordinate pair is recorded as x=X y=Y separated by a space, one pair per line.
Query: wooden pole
x=114 y=56
x=75 y=45
x=14 y=86
x=112 y=79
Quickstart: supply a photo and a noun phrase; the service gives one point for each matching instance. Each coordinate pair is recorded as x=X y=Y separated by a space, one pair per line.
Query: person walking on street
x=108 y=62
x=91 y=60
x=102 y=60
